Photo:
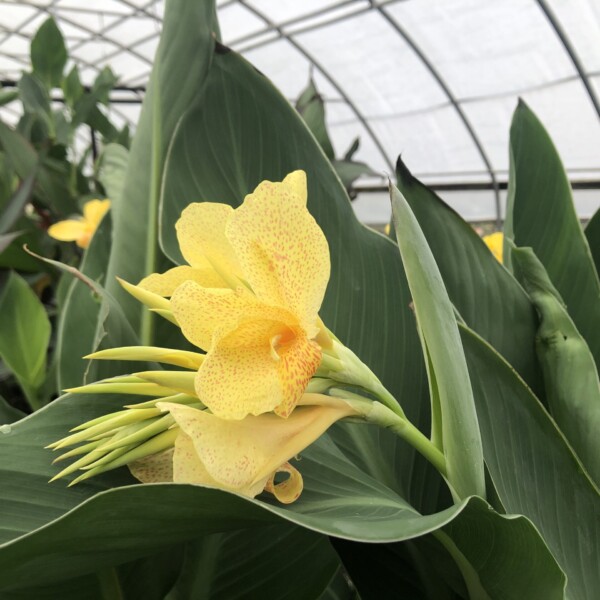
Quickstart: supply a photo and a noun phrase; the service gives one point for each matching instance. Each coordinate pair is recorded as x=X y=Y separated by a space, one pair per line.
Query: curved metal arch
x=327 y=76
x=570 y=50
x=451 y=98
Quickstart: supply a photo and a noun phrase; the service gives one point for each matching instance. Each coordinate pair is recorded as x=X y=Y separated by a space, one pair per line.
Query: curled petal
x=282 y=251
x=164 y=284
x=289 y=490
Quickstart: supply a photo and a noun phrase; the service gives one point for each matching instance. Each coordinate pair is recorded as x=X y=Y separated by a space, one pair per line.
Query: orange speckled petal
x=287 y=491
x=201 y=311
x=201 y=236
x=243 y=455
x=248 y=372
x=157 y=468
x=68 y=231
x=282 y=251
x=94 y=210
x=296 y=181
x=164 y=284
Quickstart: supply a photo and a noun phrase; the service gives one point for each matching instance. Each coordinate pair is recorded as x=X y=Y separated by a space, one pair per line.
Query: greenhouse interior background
x=434 y=81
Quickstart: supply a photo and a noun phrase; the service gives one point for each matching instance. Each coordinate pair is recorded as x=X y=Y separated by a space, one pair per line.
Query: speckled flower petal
x=201 y=236
x=243 y=455
x=157 y=468
x=282 y=251
x=164 y=284
x=201 y=311
x=94 y=210
x=260 y=366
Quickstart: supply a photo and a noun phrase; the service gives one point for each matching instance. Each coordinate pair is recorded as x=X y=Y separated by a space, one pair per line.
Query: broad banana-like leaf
x=541 y=215
x=486 y=295
x=49 y=532
x=534 y=470
x=455 y=429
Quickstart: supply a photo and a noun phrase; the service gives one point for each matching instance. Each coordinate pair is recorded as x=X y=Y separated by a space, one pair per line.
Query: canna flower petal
x=67 y=231
x=289 y=490
x=81 y=230
x=200 y=312
x=202 y=240
x=495 y=242
x=282 y=251
x=157 y=468
x=259 y=367
x=164 y=284
x=242 y=456
x=94 y=211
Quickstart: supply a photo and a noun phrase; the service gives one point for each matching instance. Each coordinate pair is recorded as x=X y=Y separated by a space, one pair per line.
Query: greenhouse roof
x=435 y=81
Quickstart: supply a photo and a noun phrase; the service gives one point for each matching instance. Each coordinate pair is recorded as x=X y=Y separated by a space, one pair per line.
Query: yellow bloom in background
x=494 y=242
x=81 y=230
x=250 y=297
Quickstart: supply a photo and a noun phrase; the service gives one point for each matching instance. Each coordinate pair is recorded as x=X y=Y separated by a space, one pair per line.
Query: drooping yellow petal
x=289 y=490
x=164 y=284
x=282 y=251
x=67 y=231
x=260 y=366
x=201 y=235
x=242 y=456
x=94 y=211
x=157 y=468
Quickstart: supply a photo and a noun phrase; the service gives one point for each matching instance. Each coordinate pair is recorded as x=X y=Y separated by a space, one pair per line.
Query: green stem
x=147 y=322
x=379 y=414
x=110 y=585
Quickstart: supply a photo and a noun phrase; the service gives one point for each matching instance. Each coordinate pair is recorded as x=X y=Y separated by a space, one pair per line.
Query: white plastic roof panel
x=435 y=80
x=481 y=48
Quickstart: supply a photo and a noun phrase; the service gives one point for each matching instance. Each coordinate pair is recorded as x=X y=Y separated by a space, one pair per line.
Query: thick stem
x=379 y=414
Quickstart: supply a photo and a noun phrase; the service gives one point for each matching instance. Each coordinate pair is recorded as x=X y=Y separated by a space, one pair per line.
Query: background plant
x=49 y=166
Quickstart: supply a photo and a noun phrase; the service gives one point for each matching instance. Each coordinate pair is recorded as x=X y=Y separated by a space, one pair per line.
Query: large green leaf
x=485 y=294
x=311 y=107
x=533 y=468
x=49 y=532
x=25 y=335
x=592 y=233
x=458 y=432
x=572 y=385
x=488 y=545
x=541 y=214
x=48 y=53
x=180 y=65
x=267 y=563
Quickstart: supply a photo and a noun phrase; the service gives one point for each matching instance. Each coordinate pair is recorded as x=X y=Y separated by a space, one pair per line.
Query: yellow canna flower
x=250 y=297
x=273 y=378
x=240 y=456
x=494 y=242
x=81 y=230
